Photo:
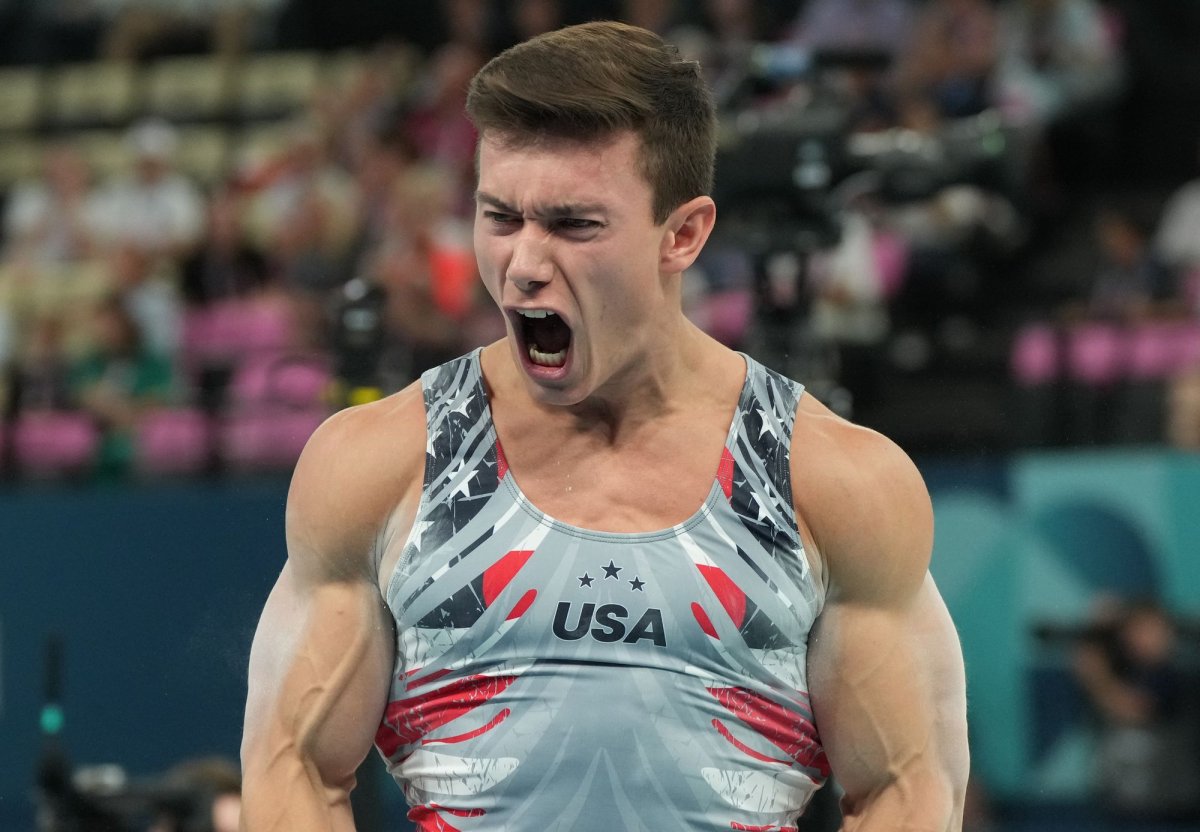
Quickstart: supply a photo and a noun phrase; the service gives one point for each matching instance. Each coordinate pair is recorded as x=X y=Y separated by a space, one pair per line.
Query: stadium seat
x=277 y=85
x=275 y=402
x=296 y=380
x=51 y=444
x=20 y=158
x=1095 y=354
x=203 y=153
x=104 y=93
x=268 y=438
x=1034 y=359
x=225 y=330
x=20 y=98
x=173 y=441
x=105 y=151
x=188 y=88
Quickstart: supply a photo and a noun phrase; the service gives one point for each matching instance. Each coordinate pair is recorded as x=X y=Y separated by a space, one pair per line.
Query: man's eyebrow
x=494 y=201
x=566 y=209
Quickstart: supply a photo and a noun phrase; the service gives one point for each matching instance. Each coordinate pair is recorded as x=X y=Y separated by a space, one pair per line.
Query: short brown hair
x=588 y=82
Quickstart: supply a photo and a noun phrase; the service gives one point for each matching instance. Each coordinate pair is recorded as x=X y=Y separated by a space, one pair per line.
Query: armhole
x=427 y=389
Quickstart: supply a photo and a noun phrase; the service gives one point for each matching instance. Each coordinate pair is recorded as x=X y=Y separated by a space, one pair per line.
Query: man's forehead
x=558 y=176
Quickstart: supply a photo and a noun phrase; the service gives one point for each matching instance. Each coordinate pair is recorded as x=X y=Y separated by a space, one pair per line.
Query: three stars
x=611 y=571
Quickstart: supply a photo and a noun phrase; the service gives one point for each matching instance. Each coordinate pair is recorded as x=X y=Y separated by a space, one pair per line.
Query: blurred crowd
x=286 y=230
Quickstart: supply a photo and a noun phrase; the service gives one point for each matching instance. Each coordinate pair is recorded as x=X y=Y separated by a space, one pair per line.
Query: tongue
x=550 y=334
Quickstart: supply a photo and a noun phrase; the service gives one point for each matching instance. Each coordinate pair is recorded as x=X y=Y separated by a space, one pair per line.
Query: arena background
x=1057 y=483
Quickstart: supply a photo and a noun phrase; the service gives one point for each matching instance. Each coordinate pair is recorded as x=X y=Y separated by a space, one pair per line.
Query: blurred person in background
x=1057 y=57
x=1148 y=722
x=148 y=288
x=1177 y=237
x=951 y=55
x=303 y=215
x=876 y=25
x=208 y=797
x=52 y=219
x=154 y=207
x=41 y=371
x=434 y=120
x=1058 y=76
x=1129 y=283
x=115 y=380
x=227 y=264
x=427 y=269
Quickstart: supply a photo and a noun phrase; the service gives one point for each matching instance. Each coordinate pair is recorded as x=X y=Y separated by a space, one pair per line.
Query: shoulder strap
x=761 y=449
x=460 y=448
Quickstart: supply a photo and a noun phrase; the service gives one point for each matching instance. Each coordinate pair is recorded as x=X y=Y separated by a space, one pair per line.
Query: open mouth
x=546 y=336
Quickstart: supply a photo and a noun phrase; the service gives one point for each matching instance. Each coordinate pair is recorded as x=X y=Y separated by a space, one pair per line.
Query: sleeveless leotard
x=550 y=677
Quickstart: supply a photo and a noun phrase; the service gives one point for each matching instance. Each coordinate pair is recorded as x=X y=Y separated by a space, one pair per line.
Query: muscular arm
x=321 y=663
x=885 y=667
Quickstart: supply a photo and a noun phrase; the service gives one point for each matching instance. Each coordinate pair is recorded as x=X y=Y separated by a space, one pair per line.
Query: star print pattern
x=511 y=653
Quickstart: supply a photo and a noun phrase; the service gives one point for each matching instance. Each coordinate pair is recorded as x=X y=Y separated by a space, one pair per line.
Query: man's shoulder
x=863 y=500
x=358 y=466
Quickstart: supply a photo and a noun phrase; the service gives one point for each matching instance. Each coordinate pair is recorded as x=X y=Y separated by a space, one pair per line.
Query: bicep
x=888 y=691
x=320 y=670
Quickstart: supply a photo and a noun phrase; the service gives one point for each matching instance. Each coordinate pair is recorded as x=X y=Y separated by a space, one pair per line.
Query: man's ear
x=686 y=232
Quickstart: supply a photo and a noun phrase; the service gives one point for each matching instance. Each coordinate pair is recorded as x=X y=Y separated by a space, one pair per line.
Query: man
x=605 y=573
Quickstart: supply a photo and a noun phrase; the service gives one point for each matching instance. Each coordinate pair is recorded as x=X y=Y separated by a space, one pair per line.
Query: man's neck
x=668 y=381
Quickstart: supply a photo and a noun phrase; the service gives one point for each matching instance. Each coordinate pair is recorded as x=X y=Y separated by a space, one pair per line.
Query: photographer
x=1129 y=669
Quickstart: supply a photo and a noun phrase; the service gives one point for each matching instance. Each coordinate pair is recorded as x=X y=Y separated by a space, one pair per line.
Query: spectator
x=156 y=208
x=843 y=25
x=148 y=291
x=1057 y=57
x=226 y=265
x=116 y=380
x=1129 y=284
x=436 y=120
x=427 y=269
x=304 y=215
x=952 y=55
x=1177 y=239
x=870 y=37
x=38 y=377
x=1147 y=764
x=210 y=790
x=51 y=219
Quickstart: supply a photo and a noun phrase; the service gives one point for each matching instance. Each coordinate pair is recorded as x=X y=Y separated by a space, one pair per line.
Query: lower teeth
x=547 y=359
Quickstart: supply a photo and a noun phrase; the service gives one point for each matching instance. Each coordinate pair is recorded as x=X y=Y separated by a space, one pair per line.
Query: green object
x=52 y=719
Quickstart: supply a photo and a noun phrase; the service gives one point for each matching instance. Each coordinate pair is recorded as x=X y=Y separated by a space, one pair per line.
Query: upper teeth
x=535 y=313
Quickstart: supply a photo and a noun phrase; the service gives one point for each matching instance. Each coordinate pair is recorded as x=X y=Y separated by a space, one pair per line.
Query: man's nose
x=530 y=267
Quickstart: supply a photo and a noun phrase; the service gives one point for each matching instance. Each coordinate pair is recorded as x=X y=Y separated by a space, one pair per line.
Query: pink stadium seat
x=1095 y=354
x=726 y=315
x=265 y=325
x=276 y=401
x=54 y=443
x=890 y=252
x=225 y=330
x=173 y=441
x=295 y=379
x=1035 y=359
x=267 y=438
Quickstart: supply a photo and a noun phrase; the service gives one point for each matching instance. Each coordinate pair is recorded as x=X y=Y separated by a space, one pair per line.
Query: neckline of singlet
x=715 y=492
